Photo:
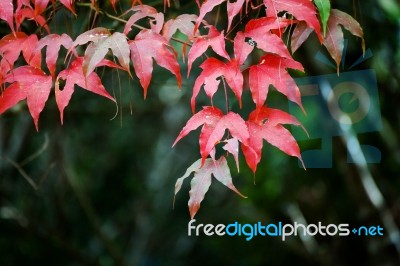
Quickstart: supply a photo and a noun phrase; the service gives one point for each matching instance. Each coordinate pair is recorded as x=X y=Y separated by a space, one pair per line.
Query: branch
x=22 y=172
x=97 y=10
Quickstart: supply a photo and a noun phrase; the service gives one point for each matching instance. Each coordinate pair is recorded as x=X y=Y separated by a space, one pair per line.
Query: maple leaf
x=93 y=35
x=74 y=75
x=27 y=83
x=113 y=4
x=10 y=96
x=69 y=4
x=101 y=40
x=143 y=11
x=334 y=36
x=299 y=36
x=53 y=43
x=233 y=8
x=205 y=8
x=232 y=146
x=212 y=69
x=146 y=46
x=95 y=52
x=202 y=180
x=7 y=13
x=241 y=48
x=28 y=13
x=260 y=31
x=23 y=3
x=303 y=10
x=272 y=70
x=214 y=38
x=40 y=6
x=266 y=124
x=166 y=4
x=214 y=125
x=12 y=45
x=184 y=23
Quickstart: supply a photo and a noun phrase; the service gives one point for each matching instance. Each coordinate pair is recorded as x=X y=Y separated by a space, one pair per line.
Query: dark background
x=105 y=187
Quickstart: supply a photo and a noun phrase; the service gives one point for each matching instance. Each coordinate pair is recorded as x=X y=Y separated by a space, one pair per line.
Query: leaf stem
x=226 y=95
x=97 y=10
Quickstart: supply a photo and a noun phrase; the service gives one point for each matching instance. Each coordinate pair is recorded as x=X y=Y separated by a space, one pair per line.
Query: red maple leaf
x=233 y=8
x=212 y=70
x=12 y=45
x=7 y=13
x=266 y=124
x=69 y=4
x=53 y=43
x=28 y=13
x=205 y=8
x=214 y=123
x=214 y=38
x=40 y=6
x=261 y=32
x=27 y=83
x=302 y=10
x=74 y=75
x=146 y=46
x=272 y=71
x=114 y=4
x=242 y=49
x=143 y=11
x=184 y=23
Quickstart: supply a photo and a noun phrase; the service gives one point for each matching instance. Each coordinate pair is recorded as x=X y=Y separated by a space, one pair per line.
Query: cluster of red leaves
x=264 y=123
x=31 y=81
x=34 y=83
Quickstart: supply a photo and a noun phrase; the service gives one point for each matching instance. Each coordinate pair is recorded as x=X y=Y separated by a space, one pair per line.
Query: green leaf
x=324 y=9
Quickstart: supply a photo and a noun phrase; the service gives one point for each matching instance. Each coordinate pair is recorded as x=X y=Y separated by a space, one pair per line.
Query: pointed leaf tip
x=202 y=180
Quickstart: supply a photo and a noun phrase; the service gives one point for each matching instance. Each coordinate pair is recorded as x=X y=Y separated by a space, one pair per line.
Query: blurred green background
x=105 y=182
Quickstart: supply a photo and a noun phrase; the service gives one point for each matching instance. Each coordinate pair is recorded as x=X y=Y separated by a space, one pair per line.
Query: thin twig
x=123 y=20
x=22 y=172
x=36 y=154
x=226 y=96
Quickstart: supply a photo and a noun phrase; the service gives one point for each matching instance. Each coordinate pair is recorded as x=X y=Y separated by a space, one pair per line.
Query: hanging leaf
x=266 y=124
x=215 y=123
x=212 y=70
x=53 y=43
x=202 y=180
x=74 y=75
x=28 y=83
x=272 y=70
x=302 y=10
x=334 y=40
x=146 y=46
x=214 y=38
x=7 y=13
